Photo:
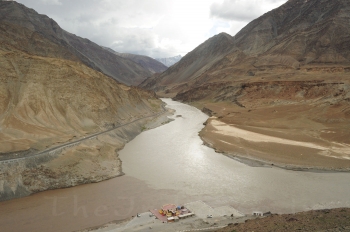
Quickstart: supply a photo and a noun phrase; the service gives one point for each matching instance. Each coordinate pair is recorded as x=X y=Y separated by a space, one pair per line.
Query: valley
x=285 y=74
x=198 y=173
x=258 y=121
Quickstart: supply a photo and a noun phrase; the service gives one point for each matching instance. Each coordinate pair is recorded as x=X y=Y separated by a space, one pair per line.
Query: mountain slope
x=298 y=35
x=146 y=62
x=56 y=99
x=309 y=26
x=49 y=98
x=192 y=65
x=40 y=30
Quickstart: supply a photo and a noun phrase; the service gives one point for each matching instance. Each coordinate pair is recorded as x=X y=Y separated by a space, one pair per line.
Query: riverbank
x=91 y=159
x=281 y=136
x=219 y=217
x=169 y=164
x=331 y=220
x=145 y=223
x=232 y=146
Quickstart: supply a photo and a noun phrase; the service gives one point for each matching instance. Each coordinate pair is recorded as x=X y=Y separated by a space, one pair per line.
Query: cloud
x=155 y=28
x=243 y=10
x=51 y=2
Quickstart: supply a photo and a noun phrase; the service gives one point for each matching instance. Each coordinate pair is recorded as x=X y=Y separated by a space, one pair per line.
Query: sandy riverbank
x=221 y=217
x=258 y=146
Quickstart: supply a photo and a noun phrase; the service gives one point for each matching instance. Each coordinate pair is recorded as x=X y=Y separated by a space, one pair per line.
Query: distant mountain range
x=170 y=60
x=180 y=76
x=148 y=63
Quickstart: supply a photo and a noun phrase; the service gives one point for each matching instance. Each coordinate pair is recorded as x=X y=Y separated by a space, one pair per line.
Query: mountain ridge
x=146 y=62
x=76 y=48
x=194 y=63
x=274 y=40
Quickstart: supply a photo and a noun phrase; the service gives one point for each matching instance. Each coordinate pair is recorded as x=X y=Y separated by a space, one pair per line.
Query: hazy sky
x=156 y=28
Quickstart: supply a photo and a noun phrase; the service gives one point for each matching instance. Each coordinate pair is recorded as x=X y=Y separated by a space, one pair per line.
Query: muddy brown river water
x=170 y=164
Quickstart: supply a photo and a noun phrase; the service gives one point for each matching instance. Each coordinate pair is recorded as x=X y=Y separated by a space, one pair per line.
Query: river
x=170 y=164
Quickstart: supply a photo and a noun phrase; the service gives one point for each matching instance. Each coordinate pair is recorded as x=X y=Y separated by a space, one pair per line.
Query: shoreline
x=227 y=223
x=254 y=162
x=250 y=161
x=146 y=221
x=38 y=162
x=127 y=186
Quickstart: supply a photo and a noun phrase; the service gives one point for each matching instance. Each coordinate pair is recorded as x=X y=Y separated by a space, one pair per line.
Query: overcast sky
x=156 y=28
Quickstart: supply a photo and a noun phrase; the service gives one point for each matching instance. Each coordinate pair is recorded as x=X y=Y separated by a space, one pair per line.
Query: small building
x=258 y=213
x=267 y=213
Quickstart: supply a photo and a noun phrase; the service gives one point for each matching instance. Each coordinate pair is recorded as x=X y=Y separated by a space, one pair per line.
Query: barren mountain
x=146 y=62
x=38 y=30
x=285 y=75
x=194 y=64
x=50 y=98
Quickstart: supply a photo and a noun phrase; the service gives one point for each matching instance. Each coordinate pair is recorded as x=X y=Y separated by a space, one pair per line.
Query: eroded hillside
x=47 y=100
x=54 y=106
